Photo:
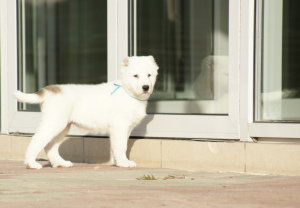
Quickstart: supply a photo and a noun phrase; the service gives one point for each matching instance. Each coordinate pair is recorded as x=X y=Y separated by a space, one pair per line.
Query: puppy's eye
x=136 y=76
x=149 y=75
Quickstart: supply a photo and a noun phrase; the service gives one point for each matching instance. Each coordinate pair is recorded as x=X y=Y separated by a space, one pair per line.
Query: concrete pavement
x=96 y=185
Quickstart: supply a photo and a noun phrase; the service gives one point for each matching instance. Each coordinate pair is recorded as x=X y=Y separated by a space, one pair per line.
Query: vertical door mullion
x=112 y=36
x=4 y=66
x=11 y=59
x=246 y=68
x=123 y=32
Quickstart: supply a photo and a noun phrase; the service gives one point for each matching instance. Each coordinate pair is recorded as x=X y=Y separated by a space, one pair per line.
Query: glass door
x=193 y=44
x=277 y=97
x=53 y=42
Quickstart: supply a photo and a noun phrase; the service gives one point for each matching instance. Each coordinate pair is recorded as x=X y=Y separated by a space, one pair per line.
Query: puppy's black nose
x=145 y=87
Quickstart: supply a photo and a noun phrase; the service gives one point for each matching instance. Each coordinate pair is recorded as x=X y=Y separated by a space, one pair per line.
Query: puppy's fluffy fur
x=99 y=108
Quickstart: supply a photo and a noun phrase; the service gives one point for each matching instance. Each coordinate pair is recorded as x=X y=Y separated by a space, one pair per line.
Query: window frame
x=193 y=126
x=12 y=120
x=264 y=129
x=238 y=125
x=156 y=125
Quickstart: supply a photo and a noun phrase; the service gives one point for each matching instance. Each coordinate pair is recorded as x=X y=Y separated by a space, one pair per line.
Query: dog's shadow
x=90 y=150
x=142 y=128
x=96 y=150
x=86 y=150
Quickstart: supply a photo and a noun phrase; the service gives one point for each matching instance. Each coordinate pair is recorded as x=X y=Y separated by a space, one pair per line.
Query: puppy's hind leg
x=46 y=132
x=52 y=150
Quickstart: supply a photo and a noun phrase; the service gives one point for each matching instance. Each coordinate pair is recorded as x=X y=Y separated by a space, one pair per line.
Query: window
x=278 y=96
x=192 y=53
x=51 y=42
x=277 y=88
x=194 y=45
x=61 y=42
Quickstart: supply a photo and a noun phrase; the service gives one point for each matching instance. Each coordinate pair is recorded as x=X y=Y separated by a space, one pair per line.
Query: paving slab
x=98 y=185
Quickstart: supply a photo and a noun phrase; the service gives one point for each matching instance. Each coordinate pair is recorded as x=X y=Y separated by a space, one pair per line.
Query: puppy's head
x=139 y=75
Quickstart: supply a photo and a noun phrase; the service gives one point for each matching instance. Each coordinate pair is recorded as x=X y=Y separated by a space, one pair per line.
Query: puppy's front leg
x=118 y=143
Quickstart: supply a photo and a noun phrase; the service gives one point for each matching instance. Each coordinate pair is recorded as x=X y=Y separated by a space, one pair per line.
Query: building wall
x=257 y=158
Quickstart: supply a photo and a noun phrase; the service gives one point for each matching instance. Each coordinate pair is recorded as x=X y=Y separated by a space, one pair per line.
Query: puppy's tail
x=32 y=98
x=38 y=97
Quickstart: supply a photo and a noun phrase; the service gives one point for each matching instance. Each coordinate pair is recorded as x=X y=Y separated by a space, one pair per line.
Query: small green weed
x=173 y=177
x=147 y=177
x=151 y=177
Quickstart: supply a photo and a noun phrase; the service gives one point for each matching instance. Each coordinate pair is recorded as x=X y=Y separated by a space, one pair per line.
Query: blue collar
x=118 y=86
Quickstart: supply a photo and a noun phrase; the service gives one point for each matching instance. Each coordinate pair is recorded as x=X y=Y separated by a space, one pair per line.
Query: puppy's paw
x=131 y=164
x=33 y=165
x=64 y=164
x=126 y=164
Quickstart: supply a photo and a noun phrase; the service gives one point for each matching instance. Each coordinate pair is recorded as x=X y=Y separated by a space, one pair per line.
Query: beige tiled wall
x=5 y=147
x=276 y=158
x=145 y=152
x=212 y=156
x=177 y=154
x=15 y=147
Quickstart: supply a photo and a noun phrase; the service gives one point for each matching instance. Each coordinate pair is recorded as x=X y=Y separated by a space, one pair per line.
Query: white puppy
x=113 y=108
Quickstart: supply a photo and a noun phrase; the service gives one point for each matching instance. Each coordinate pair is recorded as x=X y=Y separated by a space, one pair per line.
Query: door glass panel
x=189 y=40
x=61 y=42
x=278 y=63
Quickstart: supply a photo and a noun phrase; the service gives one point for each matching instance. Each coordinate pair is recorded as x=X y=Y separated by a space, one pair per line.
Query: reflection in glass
x=61 y=42
x=278 y=63
x=189 y=40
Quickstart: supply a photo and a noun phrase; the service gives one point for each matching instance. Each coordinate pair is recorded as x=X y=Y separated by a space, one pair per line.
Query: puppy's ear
x=153 y=61
x=126 y=62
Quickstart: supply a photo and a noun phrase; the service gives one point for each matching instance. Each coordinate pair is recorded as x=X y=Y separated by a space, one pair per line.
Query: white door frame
x=8 y=62
x=156 y=125
x=13 y=120
x=179 y=126
x=267 y=130
x=194 y=126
